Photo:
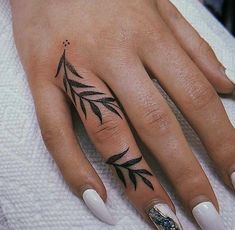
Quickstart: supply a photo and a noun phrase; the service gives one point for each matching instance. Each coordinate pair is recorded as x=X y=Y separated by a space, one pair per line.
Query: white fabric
x=33 y=195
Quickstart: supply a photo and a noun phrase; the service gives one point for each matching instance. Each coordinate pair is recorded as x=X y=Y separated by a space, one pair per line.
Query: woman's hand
x=95 y=54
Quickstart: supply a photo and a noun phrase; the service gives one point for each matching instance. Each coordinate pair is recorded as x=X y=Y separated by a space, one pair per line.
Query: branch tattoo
x=133 y=173
x=87 y=94
x=74 y=87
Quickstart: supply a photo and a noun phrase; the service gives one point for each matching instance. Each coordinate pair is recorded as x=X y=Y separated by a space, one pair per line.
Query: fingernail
x=207 y=216
x=233 y=179
x=230 y=74
x=97 y=206
x=163 y=217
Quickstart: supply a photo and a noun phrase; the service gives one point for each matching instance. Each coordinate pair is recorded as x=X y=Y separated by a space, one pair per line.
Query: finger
x=57 y=132
x=109 y=131
x=196 y=98
x=196 y=47
x=160 y=131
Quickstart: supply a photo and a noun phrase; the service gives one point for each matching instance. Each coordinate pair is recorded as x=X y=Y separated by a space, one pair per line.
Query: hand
x=95 y=54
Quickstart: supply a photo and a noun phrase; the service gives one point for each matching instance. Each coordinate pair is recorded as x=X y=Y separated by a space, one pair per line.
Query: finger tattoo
x=85 y=94
x=133 y=173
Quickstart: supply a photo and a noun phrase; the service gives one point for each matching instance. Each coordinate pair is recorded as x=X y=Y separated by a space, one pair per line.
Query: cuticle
x=83 y=188
x=152 y=203
x=198 y=200
x=231 y=170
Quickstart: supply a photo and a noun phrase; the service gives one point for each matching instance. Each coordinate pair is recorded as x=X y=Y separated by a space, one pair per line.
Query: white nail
x=207 y=216
x=233 y=179
x=163 y=217
x=230 y=74
x=97 y=206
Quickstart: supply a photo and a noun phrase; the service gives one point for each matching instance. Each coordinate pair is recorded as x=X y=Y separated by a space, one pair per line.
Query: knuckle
x=50 y=135
x=204 y=47
x=155 y=117
x=198 y=95
x=110 y=129
x=189 y=179
x=172 y=11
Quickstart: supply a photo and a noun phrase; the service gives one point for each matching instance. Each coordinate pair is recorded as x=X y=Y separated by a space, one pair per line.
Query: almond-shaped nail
x=233 y=179
x=97 y=206
x=207 y=216
x=163 y=217
x=231 y=75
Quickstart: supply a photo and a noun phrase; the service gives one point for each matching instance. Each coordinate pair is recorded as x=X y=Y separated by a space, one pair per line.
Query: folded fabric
x=33 y=195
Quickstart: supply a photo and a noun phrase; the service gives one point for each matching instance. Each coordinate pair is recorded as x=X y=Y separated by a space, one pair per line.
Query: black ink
x=133 y=173
x=72 y=86
x=66 y=43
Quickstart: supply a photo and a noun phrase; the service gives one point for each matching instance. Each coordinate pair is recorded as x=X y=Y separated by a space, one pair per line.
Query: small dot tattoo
x=66 y=43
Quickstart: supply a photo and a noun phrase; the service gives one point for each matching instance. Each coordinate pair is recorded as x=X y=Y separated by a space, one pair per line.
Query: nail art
x=233 y=179
x=97 y=206
x=163 y=217
x=207 y=216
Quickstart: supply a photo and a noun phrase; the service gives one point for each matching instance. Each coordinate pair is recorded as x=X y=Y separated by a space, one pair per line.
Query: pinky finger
x=197 y=48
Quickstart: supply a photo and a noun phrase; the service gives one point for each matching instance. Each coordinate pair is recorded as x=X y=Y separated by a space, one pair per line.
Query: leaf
x=114 y=105
x=65 y=84
x=83 y=107
x=107 y=100
x=132 y=178
x=147 y=182
x=73 y=96
x=78 y=84
x=131 y=162
x=89 y=93
x=116 y=157
x=60 y=64
x=96 y=111
x=109 y=107
x=72 y=69
x=143 y=171
x=121 y=176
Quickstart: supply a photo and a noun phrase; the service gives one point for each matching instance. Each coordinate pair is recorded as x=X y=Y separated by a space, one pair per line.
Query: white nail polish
x=207 y=216
x=230 y=74
x=163 y=217
x=233 y=179
x=97 y=206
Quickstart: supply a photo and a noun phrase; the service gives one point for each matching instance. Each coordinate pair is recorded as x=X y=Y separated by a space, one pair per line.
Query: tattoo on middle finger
x=133 y=173
x=85 y=94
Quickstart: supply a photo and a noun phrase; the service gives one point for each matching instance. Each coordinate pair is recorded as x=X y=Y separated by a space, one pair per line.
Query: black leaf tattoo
x=72 y=69
x=89 y=93
x=132 y=173
x=116 y=157
x=147 y=182
x=120 y=175
x=133 y=178
x=86 y=96
x=96 y=111
x=131 y=162
x=83 y=107
x=60 y=64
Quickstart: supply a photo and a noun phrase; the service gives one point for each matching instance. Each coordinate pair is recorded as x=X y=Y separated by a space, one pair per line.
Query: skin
x=111 y=50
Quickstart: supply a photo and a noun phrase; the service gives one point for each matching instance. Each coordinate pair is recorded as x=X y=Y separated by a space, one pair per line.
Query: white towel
x=33 y=195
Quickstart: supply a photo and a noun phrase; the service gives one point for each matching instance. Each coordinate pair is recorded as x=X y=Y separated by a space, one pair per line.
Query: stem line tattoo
x=88 y=91
x=132 y=173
